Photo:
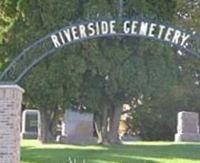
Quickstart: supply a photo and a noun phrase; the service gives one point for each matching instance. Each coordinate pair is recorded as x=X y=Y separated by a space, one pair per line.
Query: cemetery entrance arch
x=185 y=42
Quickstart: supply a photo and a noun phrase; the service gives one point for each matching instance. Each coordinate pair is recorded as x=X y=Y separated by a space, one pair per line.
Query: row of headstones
x=77 y=127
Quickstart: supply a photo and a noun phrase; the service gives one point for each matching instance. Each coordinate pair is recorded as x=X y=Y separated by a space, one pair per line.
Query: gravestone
x=77 y=128
x=30 y=124
x=187 y=127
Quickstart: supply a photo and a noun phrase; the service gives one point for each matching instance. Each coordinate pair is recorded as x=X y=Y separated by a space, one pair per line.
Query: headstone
x=77 y=128
x=187 y=127
x=30 y=124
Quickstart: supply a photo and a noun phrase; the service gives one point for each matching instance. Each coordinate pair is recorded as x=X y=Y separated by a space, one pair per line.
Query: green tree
x=101 y=74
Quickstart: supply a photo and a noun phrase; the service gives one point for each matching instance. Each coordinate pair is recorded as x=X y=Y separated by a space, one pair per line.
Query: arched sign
x=127 y=27
x=185 y=41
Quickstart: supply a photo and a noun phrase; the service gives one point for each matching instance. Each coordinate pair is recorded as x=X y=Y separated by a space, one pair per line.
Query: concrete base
x=187 y=137
x=29 y=135
x=79 y=141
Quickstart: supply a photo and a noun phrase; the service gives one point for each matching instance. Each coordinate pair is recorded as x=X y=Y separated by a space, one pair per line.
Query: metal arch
x=35 y=61
x=53 y=50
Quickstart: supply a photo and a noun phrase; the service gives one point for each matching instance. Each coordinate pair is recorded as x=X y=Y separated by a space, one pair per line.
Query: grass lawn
x=150 y=152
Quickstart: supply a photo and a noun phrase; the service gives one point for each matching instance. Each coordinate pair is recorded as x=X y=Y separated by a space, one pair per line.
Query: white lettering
x=82 y=31
x=91 y=29
x=61 y=37
x=56 y=43
x=143 y=28
x=112 y=26
x=184 y=38
x=97 y=28
x=126 y=28
x=67 y=34
x=74 y=33
x=151 y=30
x=162 y=27
x=133 y=27
x=168 y=34
x=176 y=37
x=104 y=27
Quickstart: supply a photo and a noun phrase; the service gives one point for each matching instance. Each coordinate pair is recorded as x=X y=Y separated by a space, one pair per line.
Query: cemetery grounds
x=33 y=151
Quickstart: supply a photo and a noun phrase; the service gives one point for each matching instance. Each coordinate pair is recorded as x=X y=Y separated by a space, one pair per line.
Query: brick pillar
x=10 y=111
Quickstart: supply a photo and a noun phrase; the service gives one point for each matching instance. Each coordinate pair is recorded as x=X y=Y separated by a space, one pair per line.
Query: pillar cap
x=11 y=86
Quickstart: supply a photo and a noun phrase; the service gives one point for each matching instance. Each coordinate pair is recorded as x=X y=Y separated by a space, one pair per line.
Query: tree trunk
x=45 y=135
x=101 y=126
x=104 y=127
x=97 y=123
x=113 y=136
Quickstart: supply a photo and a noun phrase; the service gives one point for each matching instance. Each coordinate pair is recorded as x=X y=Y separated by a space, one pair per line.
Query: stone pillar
x=10 y=111
x=187 y=127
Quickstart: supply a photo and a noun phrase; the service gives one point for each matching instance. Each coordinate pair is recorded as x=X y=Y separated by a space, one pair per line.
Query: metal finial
x=121 y=8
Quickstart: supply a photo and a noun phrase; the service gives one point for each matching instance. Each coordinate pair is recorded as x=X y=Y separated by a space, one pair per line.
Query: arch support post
x=10 y=112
